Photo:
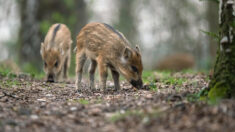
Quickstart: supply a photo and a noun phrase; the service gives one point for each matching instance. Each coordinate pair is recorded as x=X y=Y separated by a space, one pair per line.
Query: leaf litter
x=33 y=105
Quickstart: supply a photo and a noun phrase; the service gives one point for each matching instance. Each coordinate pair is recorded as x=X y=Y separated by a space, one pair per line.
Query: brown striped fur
x=55 y=52
x=107 y=48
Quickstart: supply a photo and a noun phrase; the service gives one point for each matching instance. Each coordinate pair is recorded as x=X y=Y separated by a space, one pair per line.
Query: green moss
x=153 y=86
x=218 y=92
x=4 y=72
x=81 y=101
x=9 y=83
x=11 y=75
x=147 y=76
x=174 y=81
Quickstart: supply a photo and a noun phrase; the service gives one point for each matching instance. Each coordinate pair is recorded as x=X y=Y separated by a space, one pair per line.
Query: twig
x=8 y=95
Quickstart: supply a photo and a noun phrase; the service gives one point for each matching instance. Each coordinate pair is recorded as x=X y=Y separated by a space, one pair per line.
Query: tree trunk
x=212 y=16
x=127 y=20
x=81 y=15
x=36 y=18
x=29 y=40
x=222 y=84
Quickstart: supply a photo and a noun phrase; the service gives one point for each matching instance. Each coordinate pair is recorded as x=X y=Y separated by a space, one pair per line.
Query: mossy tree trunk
x=222 y=84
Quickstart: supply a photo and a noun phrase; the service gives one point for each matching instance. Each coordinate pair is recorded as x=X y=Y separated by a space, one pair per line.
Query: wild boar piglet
x=107 y=48
x=55 y=52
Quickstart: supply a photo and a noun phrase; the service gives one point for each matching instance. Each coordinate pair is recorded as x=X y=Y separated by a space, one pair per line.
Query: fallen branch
x=9 y=95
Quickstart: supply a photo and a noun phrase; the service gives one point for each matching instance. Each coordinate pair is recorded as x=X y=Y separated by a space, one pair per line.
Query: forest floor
x=169 y=102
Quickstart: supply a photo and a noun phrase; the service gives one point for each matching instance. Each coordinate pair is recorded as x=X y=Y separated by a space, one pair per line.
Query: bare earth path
x=32 y=105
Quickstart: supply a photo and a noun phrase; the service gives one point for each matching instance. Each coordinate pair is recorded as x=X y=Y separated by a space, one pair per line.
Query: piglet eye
x=56 y=64
x=45 y=64
x=134 y=69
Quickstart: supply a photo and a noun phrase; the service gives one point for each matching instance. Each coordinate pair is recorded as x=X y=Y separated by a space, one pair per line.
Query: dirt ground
x=28 y=105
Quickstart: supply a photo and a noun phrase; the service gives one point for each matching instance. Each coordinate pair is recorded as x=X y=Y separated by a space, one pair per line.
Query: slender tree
x=29 y=40
x=127 y=24
x=212 y=16
x=222 y=84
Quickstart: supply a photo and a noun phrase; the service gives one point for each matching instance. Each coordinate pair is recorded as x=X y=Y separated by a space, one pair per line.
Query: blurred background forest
x=160 y=27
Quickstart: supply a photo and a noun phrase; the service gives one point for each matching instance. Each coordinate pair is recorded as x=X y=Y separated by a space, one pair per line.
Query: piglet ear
x=127 y=53
x=42 y=48
x=137 y=48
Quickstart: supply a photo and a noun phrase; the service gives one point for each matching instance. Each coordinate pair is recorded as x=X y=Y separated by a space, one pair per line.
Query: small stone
x=73 y=108
x=122 y=111
x=34 y=117
x=95 y=111
x=149 y=96
x=145 y=120
x=49 y=95
x=41 y=100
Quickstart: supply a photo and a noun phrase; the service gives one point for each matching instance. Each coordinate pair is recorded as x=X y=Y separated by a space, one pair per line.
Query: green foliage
x=72 y=20
x=191 y=71
x=11 y=75
x=4 y=71
x=174 y=81
x=151 y=77
x=80 y=101
x=44 y=26
x=58 y=17
x=167 y=78
x=98 y=101
x=233 y=24
x=153 y=86
x=147 y=76
x=83 y=101
x=9 y=83
x=33 y=71
x=69 y=3
x=197 y=96
x=211 y=34
x=216 y=1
